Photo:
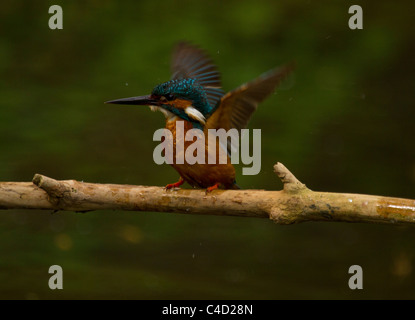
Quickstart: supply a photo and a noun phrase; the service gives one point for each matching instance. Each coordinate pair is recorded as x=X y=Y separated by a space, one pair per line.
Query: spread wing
x=237 y=106
x=189 y=61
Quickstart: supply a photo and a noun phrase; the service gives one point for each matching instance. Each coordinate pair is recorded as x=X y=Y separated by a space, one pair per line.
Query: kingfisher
x=194 y=97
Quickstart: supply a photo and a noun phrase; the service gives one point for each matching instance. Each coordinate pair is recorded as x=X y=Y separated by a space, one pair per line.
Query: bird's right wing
x=189 y=61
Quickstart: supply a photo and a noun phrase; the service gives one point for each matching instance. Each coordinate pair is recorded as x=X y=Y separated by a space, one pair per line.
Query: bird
x=194 y=96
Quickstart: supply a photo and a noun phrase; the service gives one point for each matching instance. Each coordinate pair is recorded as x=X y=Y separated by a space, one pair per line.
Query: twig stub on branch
x=291 y=183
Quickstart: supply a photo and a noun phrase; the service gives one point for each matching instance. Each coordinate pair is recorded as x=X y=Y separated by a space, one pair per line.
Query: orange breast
x=199 y=174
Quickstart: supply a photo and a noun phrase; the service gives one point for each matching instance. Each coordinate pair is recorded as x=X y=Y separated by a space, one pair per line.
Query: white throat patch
x=190 y=111
x=169 y=115
x=195 y=114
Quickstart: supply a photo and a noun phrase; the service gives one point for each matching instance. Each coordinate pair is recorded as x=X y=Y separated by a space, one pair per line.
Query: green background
x=344 y=122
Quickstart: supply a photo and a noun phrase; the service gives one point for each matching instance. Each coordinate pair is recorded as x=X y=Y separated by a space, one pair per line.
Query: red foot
x=176 y=184
x=210 y=189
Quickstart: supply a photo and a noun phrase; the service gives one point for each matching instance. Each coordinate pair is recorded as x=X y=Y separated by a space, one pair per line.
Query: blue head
x=179 y=94
x=184 y=98
x=194 y=92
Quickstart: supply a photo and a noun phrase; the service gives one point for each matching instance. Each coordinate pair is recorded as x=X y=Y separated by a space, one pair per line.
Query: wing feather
x=237 y=106
x=189 y=61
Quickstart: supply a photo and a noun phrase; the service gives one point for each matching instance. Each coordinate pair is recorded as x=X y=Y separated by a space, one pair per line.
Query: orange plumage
x=202 y=175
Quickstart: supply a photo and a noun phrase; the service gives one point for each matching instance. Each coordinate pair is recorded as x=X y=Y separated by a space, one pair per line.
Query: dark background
x=344 y=122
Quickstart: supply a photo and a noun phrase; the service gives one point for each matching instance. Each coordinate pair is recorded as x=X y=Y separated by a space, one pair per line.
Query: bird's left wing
x=237 y=106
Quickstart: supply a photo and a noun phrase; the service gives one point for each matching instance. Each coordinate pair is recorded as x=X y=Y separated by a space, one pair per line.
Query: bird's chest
x=179 y=129
x=189 y=143
x=192 y=159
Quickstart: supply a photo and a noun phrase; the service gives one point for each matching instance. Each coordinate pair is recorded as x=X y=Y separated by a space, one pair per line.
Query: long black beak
x=142 y=101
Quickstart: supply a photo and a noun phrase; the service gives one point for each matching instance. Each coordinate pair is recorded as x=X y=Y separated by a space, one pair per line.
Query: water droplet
x=126 y=84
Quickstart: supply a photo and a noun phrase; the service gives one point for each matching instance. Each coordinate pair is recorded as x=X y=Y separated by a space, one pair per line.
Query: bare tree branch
x=295 y=203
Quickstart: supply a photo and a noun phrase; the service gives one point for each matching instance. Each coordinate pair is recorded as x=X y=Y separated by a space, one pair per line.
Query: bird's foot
x=175 y=185
x=210 y=189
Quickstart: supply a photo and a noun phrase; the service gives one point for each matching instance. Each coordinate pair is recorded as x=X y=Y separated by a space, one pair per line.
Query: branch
x=295 y=203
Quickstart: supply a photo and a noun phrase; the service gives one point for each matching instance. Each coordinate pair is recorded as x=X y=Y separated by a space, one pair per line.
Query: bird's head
x=183 y=98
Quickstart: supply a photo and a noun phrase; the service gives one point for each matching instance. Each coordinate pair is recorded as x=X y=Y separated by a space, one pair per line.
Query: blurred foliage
x=344 y=122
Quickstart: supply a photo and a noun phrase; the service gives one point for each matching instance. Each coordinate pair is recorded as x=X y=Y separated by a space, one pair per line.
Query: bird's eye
x=167 y=97
x=170 y=96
